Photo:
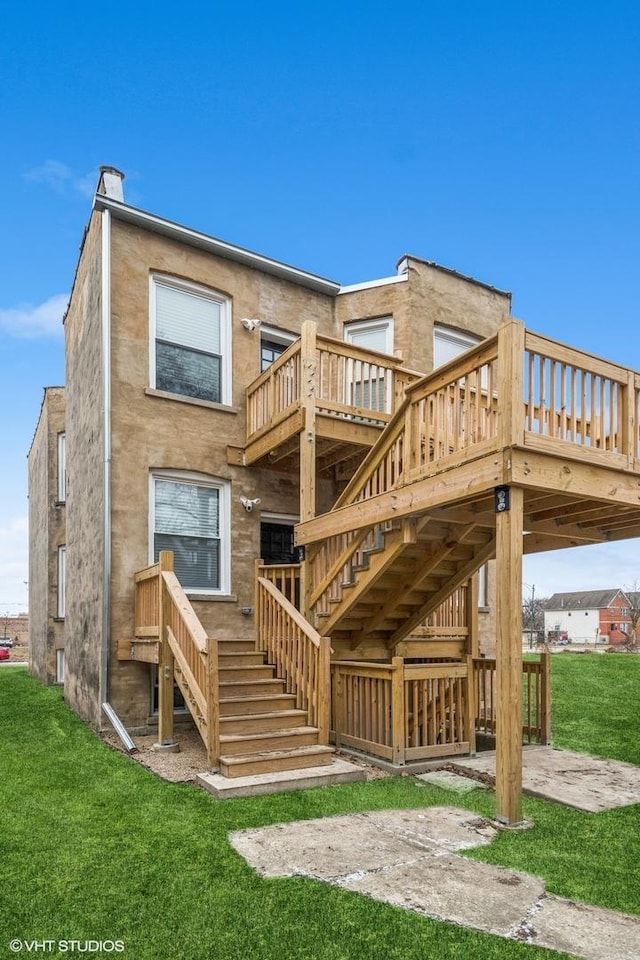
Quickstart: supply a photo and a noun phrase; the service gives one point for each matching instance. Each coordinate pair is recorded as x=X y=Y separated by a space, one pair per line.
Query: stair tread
x=275 y=754
x=262 y=716
x=253 y=698
x=266 y=735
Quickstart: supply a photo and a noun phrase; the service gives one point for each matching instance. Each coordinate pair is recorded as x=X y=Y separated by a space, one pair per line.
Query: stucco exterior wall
x=85 y=438
x=154 y=432
x=47 y=519
x=428 y=295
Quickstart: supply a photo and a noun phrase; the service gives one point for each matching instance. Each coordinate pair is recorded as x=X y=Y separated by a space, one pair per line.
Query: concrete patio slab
x=577 y=780
x=407 y=858
x=226 y=788
x=602 y=934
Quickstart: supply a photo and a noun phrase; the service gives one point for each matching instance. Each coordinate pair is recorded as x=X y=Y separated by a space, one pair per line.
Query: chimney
x=110 y=183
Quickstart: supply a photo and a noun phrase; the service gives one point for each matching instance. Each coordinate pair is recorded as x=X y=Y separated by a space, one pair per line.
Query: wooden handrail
x=196 y=660
x=301 y=656
x=348 y=381
x=187 y=654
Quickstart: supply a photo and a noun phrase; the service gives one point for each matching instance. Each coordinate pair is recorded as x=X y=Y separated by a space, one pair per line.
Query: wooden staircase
x=408 y=569
x=261 y=730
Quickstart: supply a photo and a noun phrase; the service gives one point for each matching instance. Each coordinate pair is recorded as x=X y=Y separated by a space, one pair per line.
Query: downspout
x=106 y=465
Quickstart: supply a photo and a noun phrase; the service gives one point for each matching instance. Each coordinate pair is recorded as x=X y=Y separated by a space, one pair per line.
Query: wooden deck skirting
x=536 y=698
x=300 y=655
x=402 y=711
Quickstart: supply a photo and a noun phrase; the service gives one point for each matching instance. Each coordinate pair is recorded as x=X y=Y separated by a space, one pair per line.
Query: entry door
x=276 y=546
x=276 y=542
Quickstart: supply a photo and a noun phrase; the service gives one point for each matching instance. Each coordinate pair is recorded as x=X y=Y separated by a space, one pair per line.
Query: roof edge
x=456 y=273
x=172 y=230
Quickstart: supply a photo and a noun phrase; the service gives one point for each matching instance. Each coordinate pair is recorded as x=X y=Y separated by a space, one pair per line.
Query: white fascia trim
x=383 y=282
x=167 y=228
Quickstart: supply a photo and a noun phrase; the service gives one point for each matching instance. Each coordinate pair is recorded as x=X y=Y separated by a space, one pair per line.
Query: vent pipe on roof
x=110 y=183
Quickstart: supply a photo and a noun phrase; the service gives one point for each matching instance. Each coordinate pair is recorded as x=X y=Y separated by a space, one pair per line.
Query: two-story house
x=589 y=616
x=284 y=495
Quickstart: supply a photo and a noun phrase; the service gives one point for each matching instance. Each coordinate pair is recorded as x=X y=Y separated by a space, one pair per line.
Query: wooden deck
x=341 y=395
x=521 y=445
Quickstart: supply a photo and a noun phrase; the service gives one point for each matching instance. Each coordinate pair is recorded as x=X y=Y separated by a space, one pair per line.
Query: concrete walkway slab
x=226 y=788
x=587 y=783
x=448 y=780
x=340 y=846
x=465 y=892
x=408 y=858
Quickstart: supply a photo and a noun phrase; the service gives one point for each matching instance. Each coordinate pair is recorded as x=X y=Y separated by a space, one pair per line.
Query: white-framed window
x=273 y=343
x=62 y=576
x=59 y=666
x=62 y=468
x=449 y=344
x=190 y=340
x=366 y=382
x=190 y=515
x=371 y=334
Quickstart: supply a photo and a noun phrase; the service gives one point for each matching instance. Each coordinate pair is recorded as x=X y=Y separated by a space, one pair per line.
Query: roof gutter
x=220 y=248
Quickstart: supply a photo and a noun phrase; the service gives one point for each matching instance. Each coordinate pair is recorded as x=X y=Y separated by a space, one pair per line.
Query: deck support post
x=165 y=660
x=308 y=365
x=397 y=710
x=509 y=532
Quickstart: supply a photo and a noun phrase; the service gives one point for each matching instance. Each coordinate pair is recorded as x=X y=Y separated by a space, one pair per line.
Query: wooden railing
x=403 y=711
x=444 y=416
x=301 y=656
x=536 y=698
x=195 y=663
x=284 y=576
x=147 y=603
x=579 y=401
x=514 y=389
x=275 y=392
x=347 y=382
x=163 y=612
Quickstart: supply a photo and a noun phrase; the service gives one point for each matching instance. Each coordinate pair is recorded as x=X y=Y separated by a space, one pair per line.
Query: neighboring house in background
x=589 y=616
x=47 y=539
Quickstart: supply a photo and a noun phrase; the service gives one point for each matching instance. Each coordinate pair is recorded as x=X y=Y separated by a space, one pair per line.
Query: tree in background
x=633 y=596
x=533 y=617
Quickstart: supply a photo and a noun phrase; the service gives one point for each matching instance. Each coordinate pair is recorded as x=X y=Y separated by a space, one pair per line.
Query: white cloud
x=30 y=322
x=62 y=179
x=14 y=565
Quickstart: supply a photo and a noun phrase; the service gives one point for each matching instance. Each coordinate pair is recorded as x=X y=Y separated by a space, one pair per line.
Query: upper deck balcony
x=339 y=395
x=519 y=409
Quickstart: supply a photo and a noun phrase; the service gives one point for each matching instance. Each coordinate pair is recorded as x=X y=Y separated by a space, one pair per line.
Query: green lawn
x=93 y=846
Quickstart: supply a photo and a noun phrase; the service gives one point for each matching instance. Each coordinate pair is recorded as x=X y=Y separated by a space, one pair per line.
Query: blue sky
x=500 y=139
